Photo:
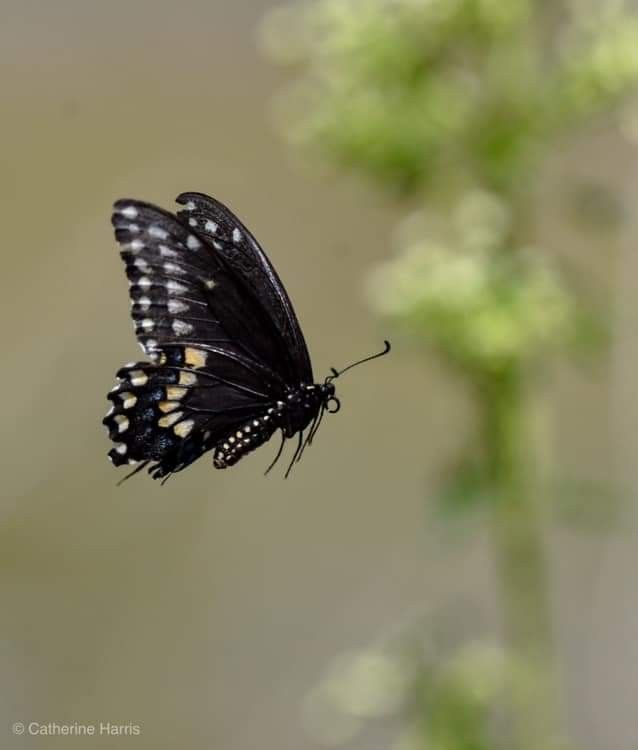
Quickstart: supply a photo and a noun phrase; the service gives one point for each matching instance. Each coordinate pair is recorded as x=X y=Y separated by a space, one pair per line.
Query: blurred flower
x=446 y=698
x=482 y=220
x=360 y=685
x=599 y=63
x=480 y=307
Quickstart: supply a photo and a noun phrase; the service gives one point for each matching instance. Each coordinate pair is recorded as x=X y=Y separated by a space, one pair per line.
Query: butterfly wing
x=216 y=354
x=173 y=413
x=241 y=251
x=183 y=292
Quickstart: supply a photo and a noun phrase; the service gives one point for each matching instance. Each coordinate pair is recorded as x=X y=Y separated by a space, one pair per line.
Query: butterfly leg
x=311 y=432
x=276 y=458
x=296 y=454
x=138 y=468
x=315 y=427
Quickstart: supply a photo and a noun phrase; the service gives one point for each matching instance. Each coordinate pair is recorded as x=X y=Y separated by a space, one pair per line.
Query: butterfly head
x=328 y=399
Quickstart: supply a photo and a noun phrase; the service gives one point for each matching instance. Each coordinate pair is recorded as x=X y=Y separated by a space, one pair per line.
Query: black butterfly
x=229 y=364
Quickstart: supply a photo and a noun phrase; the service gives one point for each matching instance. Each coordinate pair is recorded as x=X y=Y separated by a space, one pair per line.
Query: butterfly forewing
x=241 y=251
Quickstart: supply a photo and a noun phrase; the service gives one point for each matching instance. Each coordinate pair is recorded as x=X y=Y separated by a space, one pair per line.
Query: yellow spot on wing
x=128 y=399
x=174 y=393
x=183 y=428
x=187 y=378
x=168 y=406
x=138 y=377
x=195 y=357
x=170 y=419
x=122 y=422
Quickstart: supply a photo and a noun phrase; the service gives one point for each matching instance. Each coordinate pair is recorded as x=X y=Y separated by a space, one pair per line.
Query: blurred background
x=451 y=566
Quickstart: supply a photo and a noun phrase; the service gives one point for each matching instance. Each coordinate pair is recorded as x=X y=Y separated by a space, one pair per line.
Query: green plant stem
x=518 y=548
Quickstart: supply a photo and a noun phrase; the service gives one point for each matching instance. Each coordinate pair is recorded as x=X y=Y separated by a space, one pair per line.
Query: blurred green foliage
x=455 y=105
x=414 y=93
x=426 y=689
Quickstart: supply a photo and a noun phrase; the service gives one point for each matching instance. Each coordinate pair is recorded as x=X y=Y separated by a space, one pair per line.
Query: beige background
x=205 y=610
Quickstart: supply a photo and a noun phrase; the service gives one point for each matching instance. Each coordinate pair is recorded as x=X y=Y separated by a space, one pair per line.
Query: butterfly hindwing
x=172 y=413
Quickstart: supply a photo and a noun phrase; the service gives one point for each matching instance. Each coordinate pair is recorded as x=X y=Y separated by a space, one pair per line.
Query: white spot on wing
x=173 y=268
x=193 y=243
x=182 y=328
x=120 y=448
x=129 y=211
x=210 y=226
x=142 y=265
x=134 y=246
x=122 y=422
x=147 y=324
x=144 y=303
x=158 y=232
x=128 y=399
x=144 y=282
x=190 y=206
x=237 y=236
x=176 y=306
x=174 y=287
x=167 y=252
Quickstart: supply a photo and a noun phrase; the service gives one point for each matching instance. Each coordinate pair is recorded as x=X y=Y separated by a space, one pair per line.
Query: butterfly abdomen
x=300 y=407
x=245 y=439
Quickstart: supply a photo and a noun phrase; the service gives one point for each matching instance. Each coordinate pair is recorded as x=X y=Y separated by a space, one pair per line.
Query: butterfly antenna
x=337 y=373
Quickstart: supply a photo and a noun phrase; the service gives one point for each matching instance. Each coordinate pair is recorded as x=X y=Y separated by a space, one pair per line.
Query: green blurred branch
x=519 y=555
